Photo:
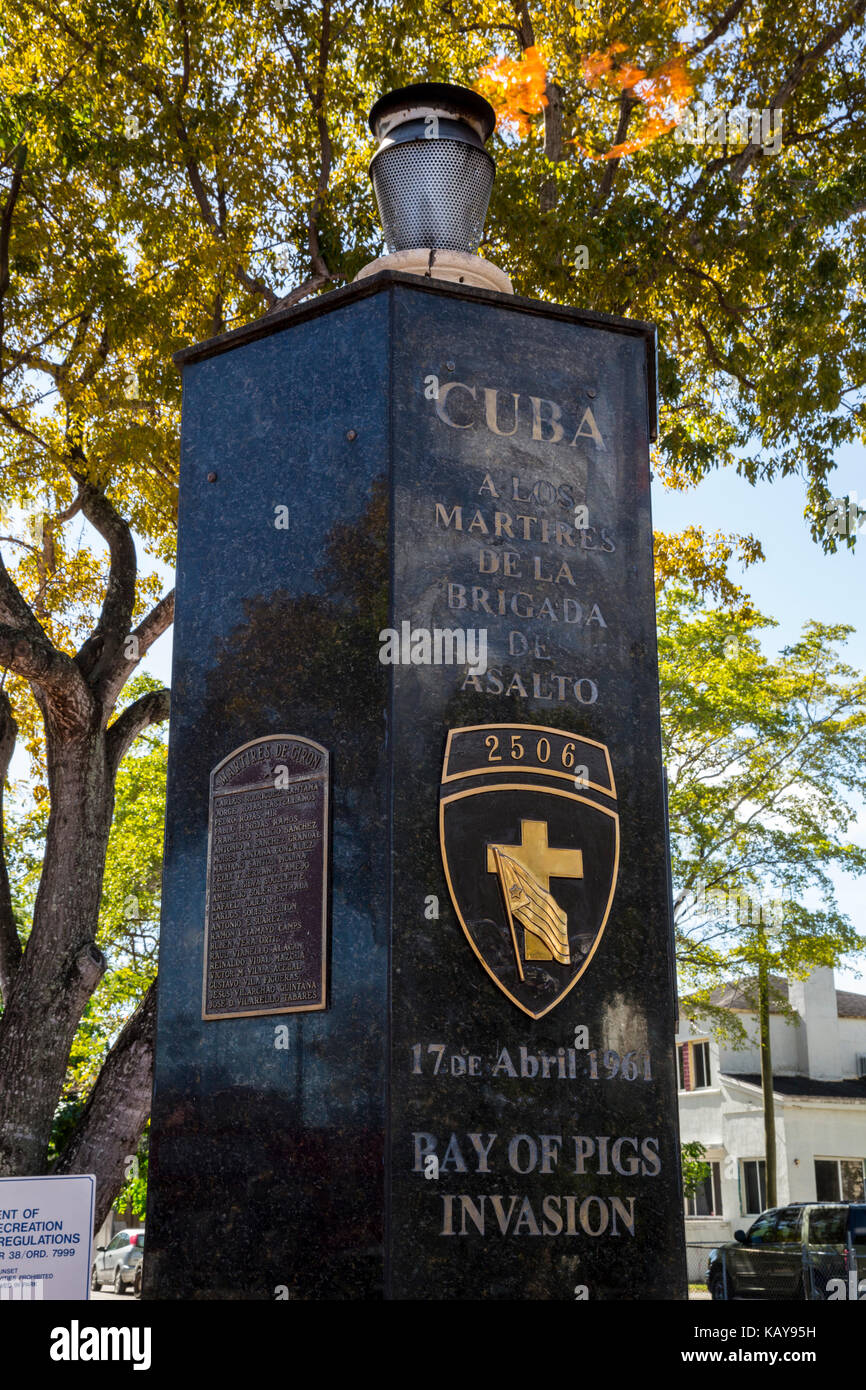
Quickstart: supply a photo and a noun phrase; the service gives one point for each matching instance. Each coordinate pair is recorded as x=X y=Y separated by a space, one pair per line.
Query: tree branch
x=15 y=611
x=801 y=69
x=151 y=708
x=698 y=274
x=315 y=282
x=193 y=171
x=156 y=622
x=52 y=673
x=17 y=426
x=5 y=234
x=102 y=646
x=717 y=360
x=627 y=104
x=722 y=24
x=554 y=146
x=525 y=29
x=10 y=944
x=316 y=96
x=325 y=147
x=112 y=1121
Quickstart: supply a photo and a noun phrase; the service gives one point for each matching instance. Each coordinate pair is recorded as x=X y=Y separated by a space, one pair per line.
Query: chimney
x=432 y=177
x=815 y=1002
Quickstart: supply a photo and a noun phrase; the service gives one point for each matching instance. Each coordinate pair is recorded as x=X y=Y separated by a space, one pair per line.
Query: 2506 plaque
x=266 y=913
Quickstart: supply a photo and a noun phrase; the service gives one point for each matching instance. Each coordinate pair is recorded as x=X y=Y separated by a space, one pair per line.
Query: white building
x=819 y=1085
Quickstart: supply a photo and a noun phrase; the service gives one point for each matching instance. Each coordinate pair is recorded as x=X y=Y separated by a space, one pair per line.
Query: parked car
x=791 y=1252
x=116 y=1263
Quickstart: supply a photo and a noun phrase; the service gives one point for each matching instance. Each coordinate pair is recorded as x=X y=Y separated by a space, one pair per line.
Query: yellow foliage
x=702 y=560
x=664 y=94
x=515 y=88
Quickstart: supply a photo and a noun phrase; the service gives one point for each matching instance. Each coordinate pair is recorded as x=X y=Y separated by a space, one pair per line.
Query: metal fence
x=774 y=1272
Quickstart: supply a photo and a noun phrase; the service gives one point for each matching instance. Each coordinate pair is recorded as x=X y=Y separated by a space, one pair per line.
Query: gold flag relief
x=535 y=908
x=531 y=861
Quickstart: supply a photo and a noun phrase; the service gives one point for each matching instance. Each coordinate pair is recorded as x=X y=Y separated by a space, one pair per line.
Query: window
x=851 y=1170
x=827 y=1226
x=753 y=1189
x=764 y=1230
x=707 y=1201
x=839 y=1179
x=826 y=1180
x=701 y=1065
x=857 y=1225
x=788 y=1223
x=693 y=1061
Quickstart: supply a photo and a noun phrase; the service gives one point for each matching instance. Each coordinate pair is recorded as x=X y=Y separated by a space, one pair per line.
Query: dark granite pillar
x=486 y=1106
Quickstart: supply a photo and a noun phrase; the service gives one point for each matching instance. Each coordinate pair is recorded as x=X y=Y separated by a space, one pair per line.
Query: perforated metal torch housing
x=432 y=177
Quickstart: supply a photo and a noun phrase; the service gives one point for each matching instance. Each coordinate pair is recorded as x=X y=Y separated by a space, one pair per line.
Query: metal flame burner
x=431 y=174
x=432 y=194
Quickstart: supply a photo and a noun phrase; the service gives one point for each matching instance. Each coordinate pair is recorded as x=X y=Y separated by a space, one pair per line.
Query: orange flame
x=664 y=95
x=515 y=88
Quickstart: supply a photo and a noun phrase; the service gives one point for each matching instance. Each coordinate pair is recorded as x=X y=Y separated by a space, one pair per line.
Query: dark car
x=793 y=1252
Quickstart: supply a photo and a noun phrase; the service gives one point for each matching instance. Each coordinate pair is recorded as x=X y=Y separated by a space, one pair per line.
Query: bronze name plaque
x=266 y=913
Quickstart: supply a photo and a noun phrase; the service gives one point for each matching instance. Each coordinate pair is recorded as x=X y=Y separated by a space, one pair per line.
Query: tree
x=765 y=759
x=723 y=246
x=694 y=1166
x=766 y=1067
x=230 y=150
x=172 y=168
x=127 y=935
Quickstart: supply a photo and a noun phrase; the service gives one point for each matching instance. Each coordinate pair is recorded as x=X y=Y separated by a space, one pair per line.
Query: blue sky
x=797 y=581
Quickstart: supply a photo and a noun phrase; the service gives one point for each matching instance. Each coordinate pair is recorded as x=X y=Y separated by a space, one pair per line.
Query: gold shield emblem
x=529 y=833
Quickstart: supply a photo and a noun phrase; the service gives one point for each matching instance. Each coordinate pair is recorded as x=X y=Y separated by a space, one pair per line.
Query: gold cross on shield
x=544 y=863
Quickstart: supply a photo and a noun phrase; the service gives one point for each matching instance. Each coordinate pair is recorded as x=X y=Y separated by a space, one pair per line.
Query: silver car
x=116 y=1262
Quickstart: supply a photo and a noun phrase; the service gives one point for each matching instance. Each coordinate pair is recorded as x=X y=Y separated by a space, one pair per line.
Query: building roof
x=805 y=1087
x=849 y=1005
x=743 y=995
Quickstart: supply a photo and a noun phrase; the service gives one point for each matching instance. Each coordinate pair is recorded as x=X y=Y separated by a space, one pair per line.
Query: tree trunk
x=46 y=988
x=61 y=964
x=107 y=1134
x=767 y=1081
x=554 y=148
x=10 y=946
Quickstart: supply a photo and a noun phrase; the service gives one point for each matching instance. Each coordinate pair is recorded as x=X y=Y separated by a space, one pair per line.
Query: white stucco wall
x=729 y=1123
x=852 y=1042
x=815 y=1002
x=785 y=1046
x=825 y=1131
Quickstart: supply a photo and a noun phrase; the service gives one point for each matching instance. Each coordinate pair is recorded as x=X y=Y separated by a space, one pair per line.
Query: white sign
x=46 y=1237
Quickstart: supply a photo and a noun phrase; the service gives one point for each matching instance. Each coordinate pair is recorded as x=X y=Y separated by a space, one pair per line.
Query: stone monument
x=416 y=1014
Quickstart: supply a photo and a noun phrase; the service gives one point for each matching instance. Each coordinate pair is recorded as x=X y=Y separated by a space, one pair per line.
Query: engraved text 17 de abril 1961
x=266 y=914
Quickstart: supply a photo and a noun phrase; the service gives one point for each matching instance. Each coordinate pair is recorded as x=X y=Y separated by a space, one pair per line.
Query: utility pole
x=767 y=1069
